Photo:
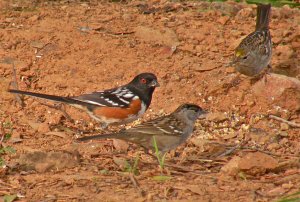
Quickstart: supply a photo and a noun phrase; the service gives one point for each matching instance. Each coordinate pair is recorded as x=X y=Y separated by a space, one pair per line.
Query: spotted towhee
x=168 y=131
x=119 y=105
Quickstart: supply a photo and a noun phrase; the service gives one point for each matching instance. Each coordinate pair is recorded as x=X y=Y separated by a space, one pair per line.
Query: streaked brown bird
x=169 y=131
x=254 y=52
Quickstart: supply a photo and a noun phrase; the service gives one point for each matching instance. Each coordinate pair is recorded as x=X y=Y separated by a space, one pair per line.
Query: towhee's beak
x=153 y=83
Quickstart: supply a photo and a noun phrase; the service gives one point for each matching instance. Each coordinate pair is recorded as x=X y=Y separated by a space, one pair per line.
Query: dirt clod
x=257 y=163
x=44 y=161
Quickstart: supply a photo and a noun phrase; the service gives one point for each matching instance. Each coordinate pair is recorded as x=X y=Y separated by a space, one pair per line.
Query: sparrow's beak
x=202 y=114
x=153 y=83
x=230 y=64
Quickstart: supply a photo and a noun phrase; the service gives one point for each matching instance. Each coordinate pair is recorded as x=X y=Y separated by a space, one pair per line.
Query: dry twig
x=260 y=150
x=2 y=133
x=231 y=150
x=15 y=85
x=290 y=123
x=59 y=108
x=135 y=184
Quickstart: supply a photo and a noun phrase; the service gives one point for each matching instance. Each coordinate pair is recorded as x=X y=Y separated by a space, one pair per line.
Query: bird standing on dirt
x=119 y=105
x=169 y=131
x=255 y=51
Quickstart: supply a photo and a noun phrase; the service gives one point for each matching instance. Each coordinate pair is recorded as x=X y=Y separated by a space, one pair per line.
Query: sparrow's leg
x=267 y=72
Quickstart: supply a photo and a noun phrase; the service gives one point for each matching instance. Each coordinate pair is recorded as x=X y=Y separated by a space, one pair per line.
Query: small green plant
x=5 y=137
x=132 y=168
x=295 y=197
x=161 y=178
x=242 y=176
x=161 y=160
x=159 y=156
x=104 y=172
x=10 y=198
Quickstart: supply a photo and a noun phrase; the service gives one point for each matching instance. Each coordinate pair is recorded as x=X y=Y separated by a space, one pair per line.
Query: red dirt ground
x=68 y=48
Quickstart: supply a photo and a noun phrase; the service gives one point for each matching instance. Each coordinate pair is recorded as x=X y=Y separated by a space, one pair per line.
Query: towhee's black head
x=144 y=85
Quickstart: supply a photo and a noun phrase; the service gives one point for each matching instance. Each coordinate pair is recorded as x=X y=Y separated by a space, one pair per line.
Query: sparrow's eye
x=245 y=57
x=143 y=81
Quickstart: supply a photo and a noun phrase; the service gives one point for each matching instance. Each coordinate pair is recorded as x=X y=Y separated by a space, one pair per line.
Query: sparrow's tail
x=50 y=97
x=86 y=138
x=263 y=16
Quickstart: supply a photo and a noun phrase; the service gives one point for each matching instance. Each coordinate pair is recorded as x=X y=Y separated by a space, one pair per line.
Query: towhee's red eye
x=143 y=81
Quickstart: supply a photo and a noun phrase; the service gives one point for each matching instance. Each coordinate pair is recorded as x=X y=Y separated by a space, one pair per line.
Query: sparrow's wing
x=167 y=125
x=166 y=130
x=253 y=40
x=116 y=97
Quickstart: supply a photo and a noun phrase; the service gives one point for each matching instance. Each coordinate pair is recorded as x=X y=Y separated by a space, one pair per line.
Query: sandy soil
x=68 y=48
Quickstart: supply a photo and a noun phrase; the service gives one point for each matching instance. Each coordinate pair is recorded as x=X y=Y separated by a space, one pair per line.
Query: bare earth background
x=67 y=48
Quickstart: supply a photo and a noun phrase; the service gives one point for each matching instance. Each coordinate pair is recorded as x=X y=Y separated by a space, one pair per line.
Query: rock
x=199 y=143
x=120 y=145
x=230 y=135
x=15 y=134
x=53 y=118
x=9 y=20
x=196 y=189
x=205 y=66
x=283 y=141
x=37 y=44
x=260 y=137
x=161 y=37
x=286 y=12
x=232 y=167
x=43 y=167
x=273 y=146
x=216 y=117
x=226 y=9
x=92 y=149
x=276 y=89
x=45 y=161
x=128 y=17
x=275 y=13
x=223 y=19
x=277 y=191
x=284 y=126
x=43 y=128
x=15 y=137
x=245 y=13
x=283 y=133
x=34 y=18
x=33 y=125
x=230 y=70
x=287 y=185
x=167 y=51
x=276 y=39
x=57 y=134
x=257 y=163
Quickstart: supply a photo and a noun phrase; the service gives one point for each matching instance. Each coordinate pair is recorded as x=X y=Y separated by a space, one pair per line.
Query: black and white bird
x=118 y=105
